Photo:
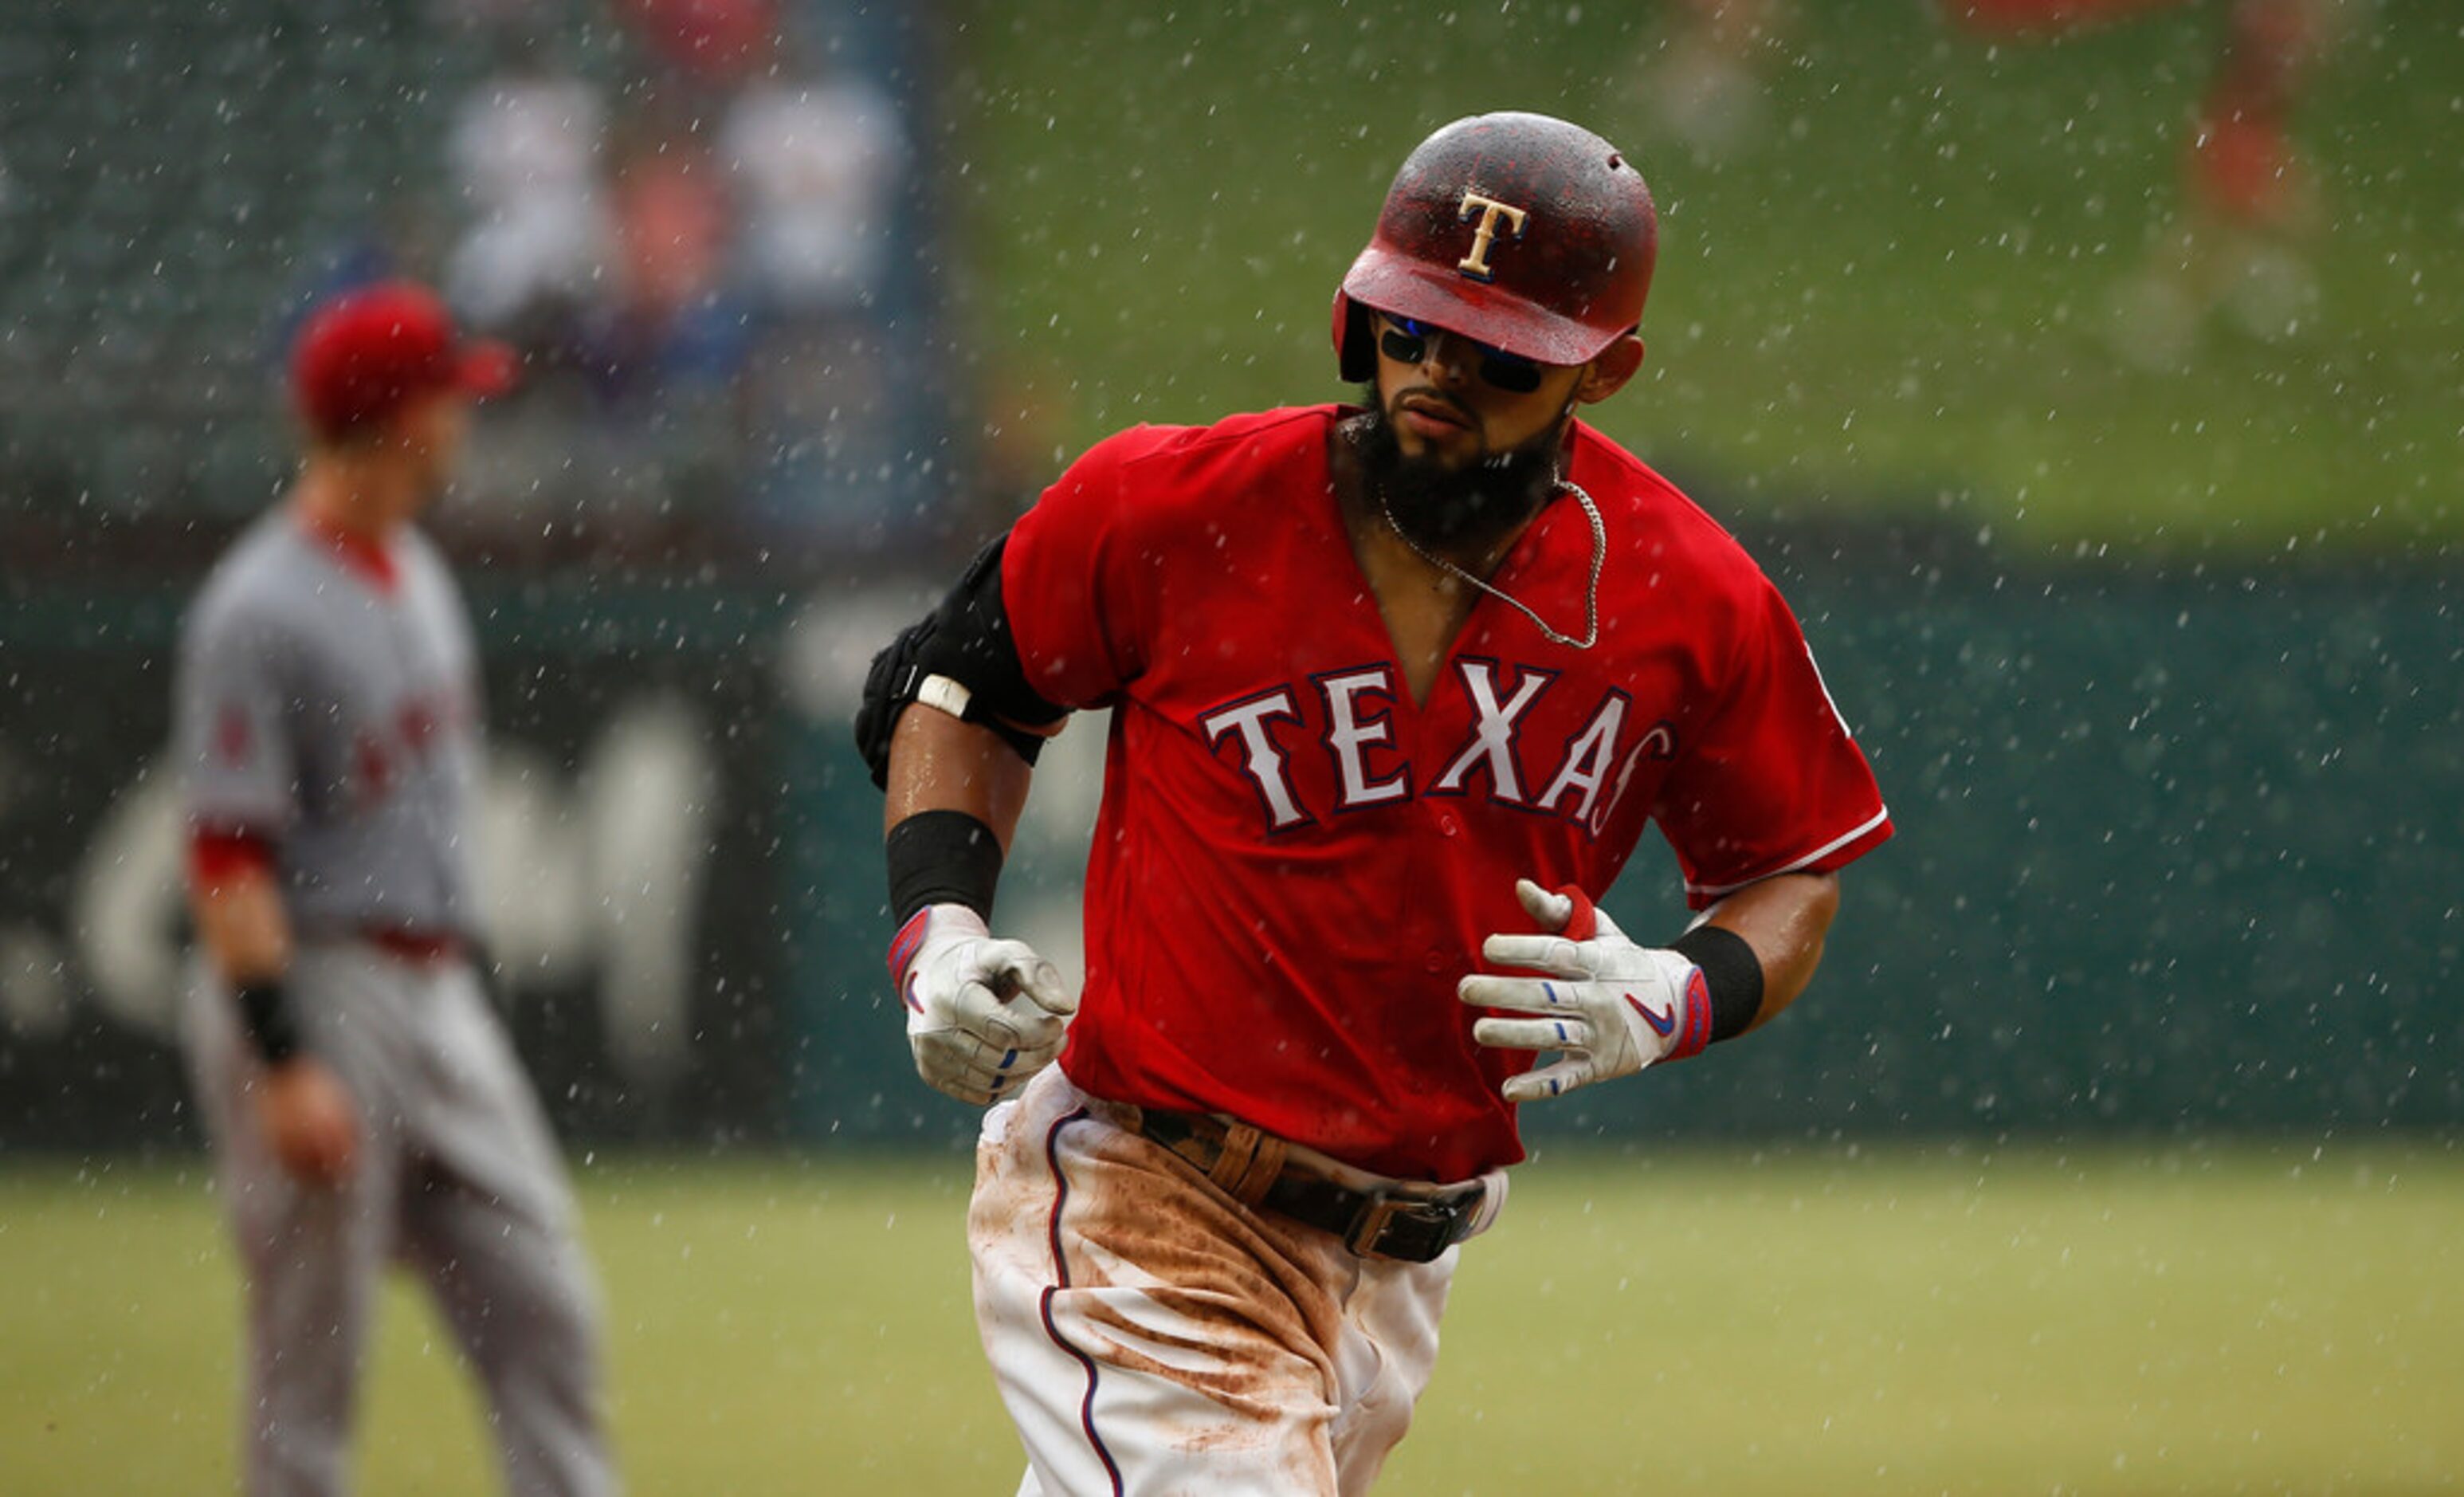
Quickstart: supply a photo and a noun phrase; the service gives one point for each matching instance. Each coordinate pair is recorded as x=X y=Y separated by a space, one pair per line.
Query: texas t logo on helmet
x=1490 y=209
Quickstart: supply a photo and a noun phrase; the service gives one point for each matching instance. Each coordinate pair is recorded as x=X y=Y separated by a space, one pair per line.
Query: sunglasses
x=1406 y=340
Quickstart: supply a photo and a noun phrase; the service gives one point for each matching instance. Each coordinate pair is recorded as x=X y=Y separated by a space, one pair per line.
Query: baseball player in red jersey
x=362 y=1098
x=1395 y=690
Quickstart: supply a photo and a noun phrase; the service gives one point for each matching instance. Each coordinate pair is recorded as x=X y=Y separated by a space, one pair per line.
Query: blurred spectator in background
x=2242 y=245
x=525 y=161
x=707 y=261
x=668 y=326
x=666 y=343
x=812 y=158
x=1705 y=79
x=816 y=156
x=2249 y=203
x=2242 y=166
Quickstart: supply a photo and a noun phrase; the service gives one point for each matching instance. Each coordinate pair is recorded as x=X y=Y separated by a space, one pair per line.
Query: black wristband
x=941 y=858
x=265 y=1012
x=1732 y=972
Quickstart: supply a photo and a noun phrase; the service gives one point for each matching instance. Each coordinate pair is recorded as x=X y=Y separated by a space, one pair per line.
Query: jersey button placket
x=1438 y=961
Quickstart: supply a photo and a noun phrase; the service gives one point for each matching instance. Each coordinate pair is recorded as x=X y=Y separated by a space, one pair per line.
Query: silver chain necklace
x=1591 y=593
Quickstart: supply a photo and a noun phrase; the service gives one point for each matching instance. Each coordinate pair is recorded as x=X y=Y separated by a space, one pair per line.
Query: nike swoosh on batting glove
x=983 y=1015
x=1606 y=1006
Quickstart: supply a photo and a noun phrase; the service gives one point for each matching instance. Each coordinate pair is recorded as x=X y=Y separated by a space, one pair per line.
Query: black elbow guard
x=962 y=659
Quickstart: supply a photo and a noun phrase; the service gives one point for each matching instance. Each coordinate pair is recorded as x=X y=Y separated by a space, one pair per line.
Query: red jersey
x=1294 y=862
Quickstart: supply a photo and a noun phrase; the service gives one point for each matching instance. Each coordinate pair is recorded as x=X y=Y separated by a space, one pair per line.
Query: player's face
x=432 y=435
x=1460 y=403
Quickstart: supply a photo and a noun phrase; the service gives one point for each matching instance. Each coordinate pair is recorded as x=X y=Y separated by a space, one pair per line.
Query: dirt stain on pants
x=1153 y=1335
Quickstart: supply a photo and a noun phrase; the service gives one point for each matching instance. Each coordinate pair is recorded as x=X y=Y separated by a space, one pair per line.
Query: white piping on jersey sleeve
x=1723 y=890
x=1828 y=701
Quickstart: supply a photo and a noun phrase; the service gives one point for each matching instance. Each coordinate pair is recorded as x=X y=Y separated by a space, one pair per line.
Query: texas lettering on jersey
x=1347 y=714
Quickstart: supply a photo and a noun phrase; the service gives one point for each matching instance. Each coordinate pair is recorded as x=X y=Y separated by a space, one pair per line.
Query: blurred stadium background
x=2121 y=492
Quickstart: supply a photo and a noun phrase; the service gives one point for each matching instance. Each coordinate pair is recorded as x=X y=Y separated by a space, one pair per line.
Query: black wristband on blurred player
x=265 y=1012
x=1732 y=973
x=941 y=858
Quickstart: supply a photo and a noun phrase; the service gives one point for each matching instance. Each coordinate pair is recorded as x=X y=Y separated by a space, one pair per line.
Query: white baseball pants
x=1151 y=1335
x=457 y=1176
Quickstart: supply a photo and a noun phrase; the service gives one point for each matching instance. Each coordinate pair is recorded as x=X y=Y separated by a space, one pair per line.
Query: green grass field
x=1923 y=1320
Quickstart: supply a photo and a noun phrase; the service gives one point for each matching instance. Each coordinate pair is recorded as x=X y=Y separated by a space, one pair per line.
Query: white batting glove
x=1607 y=1007
x=983 y=1015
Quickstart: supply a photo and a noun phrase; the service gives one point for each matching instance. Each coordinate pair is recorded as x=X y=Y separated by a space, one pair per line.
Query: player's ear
x=1607 y=374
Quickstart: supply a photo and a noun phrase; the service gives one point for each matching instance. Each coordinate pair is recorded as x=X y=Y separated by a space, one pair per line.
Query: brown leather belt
x=1252 y=1167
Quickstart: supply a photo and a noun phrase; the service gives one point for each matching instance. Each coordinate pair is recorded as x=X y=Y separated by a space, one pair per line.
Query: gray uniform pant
x=458 y=1178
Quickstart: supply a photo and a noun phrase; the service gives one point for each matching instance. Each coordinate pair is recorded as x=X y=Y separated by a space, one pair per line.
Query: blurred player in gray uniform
x=362 y=1100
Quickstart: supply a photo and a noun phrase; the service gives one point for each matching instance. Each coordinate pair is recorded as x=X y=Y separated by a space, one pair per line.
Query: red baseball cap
x=366 y=353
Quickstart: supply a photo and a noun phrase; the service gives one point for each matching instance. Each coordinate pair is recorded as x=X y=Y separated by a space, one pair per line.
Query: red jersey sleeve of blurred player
x=1772 y=782
x=219 y=854
x=1078 y=579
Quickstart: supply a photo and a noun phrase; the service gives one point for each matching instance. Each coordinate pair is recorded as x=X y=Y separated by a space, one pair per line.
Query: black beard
x=1455 y=512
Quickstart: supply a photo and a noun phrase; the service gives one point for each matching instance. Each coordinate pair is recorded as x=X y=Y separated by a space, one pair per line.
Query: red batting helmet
x=1518 y=230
